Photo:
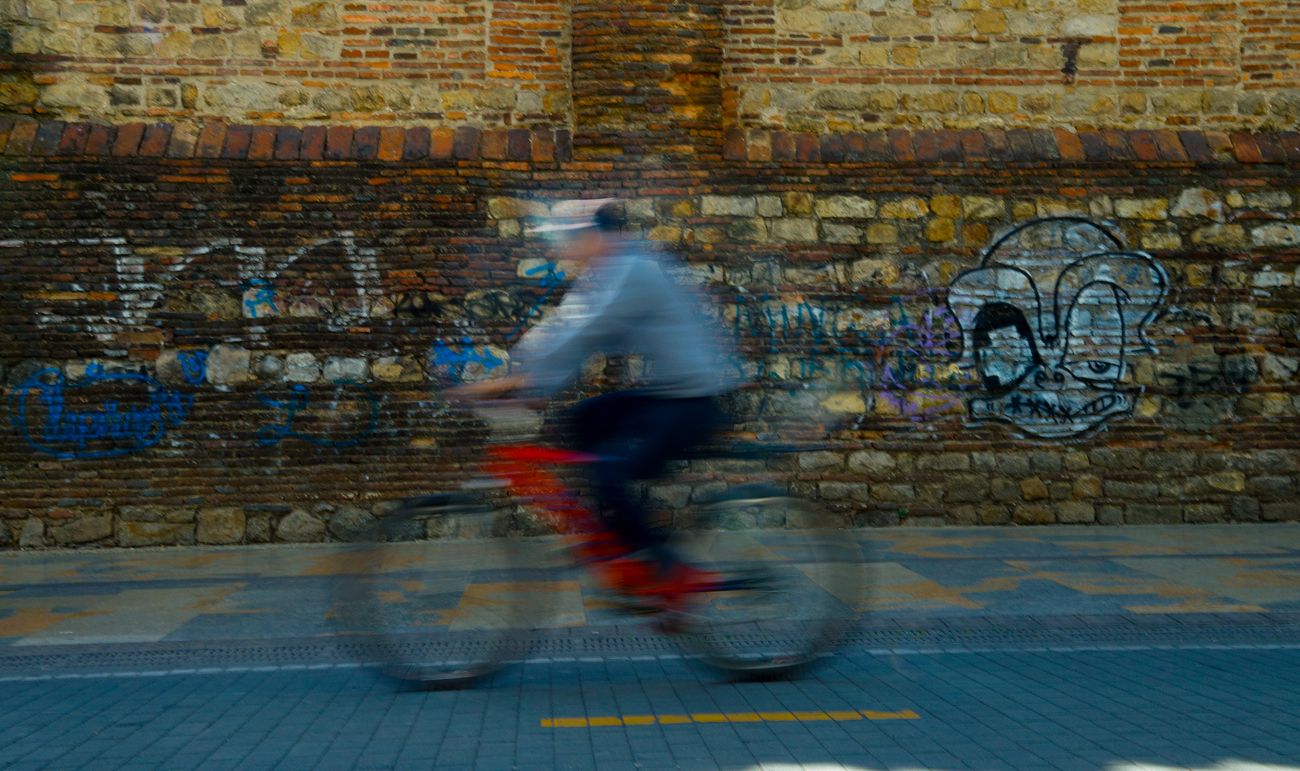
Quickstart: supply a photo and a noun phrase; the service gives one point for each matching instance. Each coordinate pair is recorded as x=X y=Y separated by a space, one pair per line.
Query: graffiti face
x=1051 y=321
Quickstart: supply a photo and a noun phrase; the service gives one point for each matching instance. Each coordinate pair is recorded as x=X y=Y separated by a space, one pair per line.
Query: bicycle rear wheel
x=436 y=592
x=792 y=579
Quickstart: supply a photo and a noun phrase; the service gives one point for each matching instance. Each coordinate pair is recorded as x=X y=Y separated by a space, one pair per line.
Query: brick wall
x=800 y=65
x=225 y=334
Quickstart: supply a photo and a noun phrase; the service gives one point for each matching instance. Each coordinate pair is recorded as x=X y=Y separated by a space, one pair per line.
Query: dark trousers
x=637 y=435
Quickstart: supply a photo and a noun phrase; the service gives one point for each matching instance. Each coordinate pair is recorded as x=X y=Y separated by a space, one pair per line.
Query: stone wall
x=223 y=334
x=800 y=65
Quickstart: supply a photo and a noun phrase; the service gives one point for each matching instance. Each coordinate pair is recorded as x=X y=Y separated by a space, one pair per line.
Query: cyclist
x=623 y=303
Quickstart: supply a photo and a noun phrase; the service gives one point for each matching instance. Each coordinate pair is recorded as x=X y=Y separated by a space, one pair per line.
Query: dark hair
x=610 y=217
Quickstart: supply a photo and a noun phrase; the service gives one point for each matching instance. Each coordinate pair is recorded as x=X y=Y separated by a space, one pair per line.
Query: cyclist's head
x=583 y=228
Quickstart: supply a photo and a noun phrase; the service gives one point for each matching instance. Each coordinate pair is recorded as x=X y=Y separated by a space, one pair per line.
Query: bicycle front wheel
x=432 y=592
x=790 y=578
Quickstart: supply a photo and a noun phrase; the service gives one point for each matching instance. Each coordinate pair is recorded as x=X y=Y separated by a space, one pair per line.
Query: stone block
x=300 y=526
x=940 y=229
x=345 y=368
x=794 y=231
x=871 y=462
x=1142 y=208
x=1198 y=202
x=993 y=514
x=32 y=534
x=1132 y=491
x=1224 y=236
x=1270 y=486
x=83 y=530
x=227 y=365
x=947 y=461
x=905 y=208
x=220 y=525
x=820 y=461
x=892 y=493
x=724 y=206
x=1281 y=511
x=349 y=523
x=1045 y=461
x=1110 y=515
x=155 y=533
x=1276 y=234
x=301 y=368
x=1205 y=512
x=965 y=488
x=1033 y=514
x=844 y=491
x=1075 y=512
x=984 y=461
x=1087 y=486
x=835 y=233
x=873 y=272
x=674 y=496
x=1033 y=489
x=846 y=206
x=1014 y=465
x=1154 y=514
x=397 y=369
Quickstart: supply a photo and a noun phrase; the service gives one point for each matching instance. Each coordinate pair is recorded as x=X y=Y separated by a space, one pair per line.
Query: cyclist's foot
x=675 y=593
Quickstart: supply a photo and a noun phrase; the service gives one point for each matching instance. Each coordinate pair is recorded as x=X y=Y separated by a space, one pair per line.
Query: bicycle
x=448 y=588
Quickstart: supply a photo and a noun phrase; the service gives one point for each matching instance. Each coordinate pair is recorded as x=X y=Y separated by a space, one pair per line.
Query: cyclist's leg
x=643 y=443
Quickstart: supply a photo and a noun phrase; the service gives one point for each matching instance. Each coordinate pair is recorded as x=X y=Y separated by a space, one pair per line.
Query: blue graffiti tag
x=262 y=301
x=299 y=398
x=65 y=432
x=551 y=281
x=194 y=365
x=443 y=355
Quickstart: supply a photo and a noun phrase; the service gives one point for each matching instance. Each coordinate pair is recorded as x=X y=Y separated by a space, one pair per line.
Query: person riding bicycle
x=623 y=303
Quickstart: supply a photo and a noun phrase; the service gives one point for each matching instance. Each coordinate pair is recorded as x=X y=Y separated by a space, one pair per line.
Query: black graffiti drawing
x=1051 y=322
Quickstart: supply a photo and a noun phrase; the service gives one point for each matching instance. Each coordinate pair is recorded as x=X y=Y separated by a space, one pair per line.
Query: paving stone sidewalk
x=1133 y=649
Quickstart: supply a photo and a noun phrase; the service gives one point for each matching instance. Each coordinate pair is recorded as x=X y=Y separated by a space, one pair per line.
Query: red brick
x=758 y=146
x=494 y=146
x=73 y=141
x=1170 y=146
x=415 y=144
x=901 y=143
x=807 y=148
x=100 y=141
x=950 y=146
x=262 y=145
x=925 y=145
x=855 y=147
x=782 y=146
x=1270 y=148
x=1291 y=143
x=1094 y=145
x=211 y=140
x=543 y=147
x=48 y=135
x=128 y=139
x=733 y=144
x=441 y=143
x=390 y=143
x=832 y=147
x=21 y=137
x=182 y=141
x=464 y=143
x=287 y=141
x=519 y=145
x=878 y=146
x=1043 y=142
x=5 y=127
x=311 y=147
x=238 y=139
x=1022 y=149
x=1068 y=144
x=1117 y=146
x=338 y=143
x=972 y=145
x=995 y=144
x=1221 y=145
x=1144 y=145
x=1243 y=145
x=365 y=143
x=1197 y=148
x=154 y=143
x=563 y=145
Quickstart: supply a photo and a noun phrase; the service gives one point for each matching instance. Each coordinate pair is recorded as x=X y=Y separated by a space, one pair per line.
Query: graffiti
x=1050 y=322
x=551 y=281
x=904 y=360
x=108 y=429
x=194 y=365
x=459 y=363
x=260 y=300
x=351 y=404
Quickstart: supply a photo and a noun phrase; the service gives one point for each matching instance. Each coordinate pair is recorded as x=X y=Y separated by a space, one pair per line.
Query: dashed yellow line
x=718 y=717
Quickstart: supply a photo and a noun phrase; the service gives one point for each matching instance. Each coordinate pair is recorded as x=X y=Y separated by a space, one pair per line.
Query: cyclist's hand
x=470 y=393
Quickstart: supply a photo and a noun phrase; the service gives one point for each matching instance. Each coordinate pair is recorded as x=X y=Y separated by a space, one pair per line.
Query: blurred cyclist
x=622 y=304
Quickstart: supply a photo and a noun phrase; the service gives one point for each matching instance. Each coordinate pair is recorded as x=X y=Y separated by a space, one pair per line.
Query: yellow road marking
x=718 y=717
